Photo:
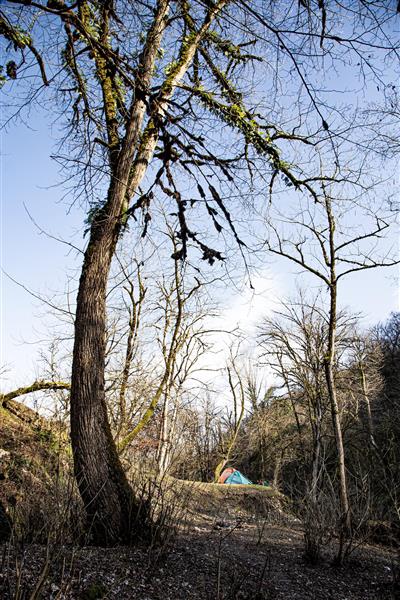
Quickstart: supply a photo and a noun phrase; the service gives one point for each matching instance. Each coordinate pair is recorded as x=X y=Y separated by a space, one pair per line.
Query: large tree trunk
x=102 y=482
x=107 y=496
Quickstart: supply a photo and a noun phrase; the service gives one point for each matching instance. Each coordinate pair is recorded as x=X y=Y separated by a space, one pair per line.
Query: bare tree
x=131 y=99
x=293 y=343
x=387 y=430
x=236 y=414
x=259 y=397
x=317 y=240
x=190 y=346
x=366 y=361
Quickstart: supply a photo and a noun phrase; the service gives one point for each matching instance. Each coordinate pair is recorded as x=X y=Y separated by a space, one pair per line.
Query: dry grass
x=230 y=502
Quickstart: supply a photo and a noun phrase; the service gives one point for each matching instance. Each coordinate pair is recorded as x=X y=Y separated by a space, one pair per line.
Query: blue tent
x=237 y=477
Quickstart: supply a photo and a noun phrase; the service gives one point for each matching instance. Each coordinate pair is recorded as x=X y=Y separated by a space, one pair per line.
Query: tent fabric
x=225 y=474
x=237 y=477
x=233 y=476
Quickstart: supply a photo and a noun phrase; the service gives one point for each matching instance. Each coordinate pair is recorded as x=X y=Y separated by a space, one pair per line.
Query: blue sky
x=43 y=265
x=28 y=177
x=28 y=256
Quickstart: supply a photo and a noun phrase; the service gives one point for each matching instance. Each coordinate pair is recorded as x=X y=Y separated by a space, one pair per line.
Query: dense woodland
x=204 y=141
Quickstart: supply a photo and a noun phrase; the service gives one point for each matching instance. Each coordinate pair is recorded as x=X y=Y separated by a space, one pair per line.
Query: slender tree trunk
x=293 y=404
x=317 y=452
x=262 y=455
x=364 y=387
x=135 y=310
x=331 y=384
x=163 y=441
x=237 y=423
x=166 y=436
x=125 y=374
x=277 y=470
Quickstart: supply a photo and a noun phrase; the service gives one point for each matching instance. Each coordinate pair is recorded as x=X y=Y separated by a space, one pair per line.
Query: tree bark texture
x=102 y=482
x=103 y=485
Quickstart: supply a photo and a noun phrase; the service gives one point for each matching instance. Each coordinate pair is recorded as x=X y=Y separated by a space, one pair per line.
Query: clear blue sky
x=31 y=258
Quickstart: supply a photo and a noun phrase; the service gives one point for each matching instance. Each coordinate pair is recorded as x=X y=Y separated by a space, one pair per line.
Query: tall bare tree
x=132 y=79
x=316 y=239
